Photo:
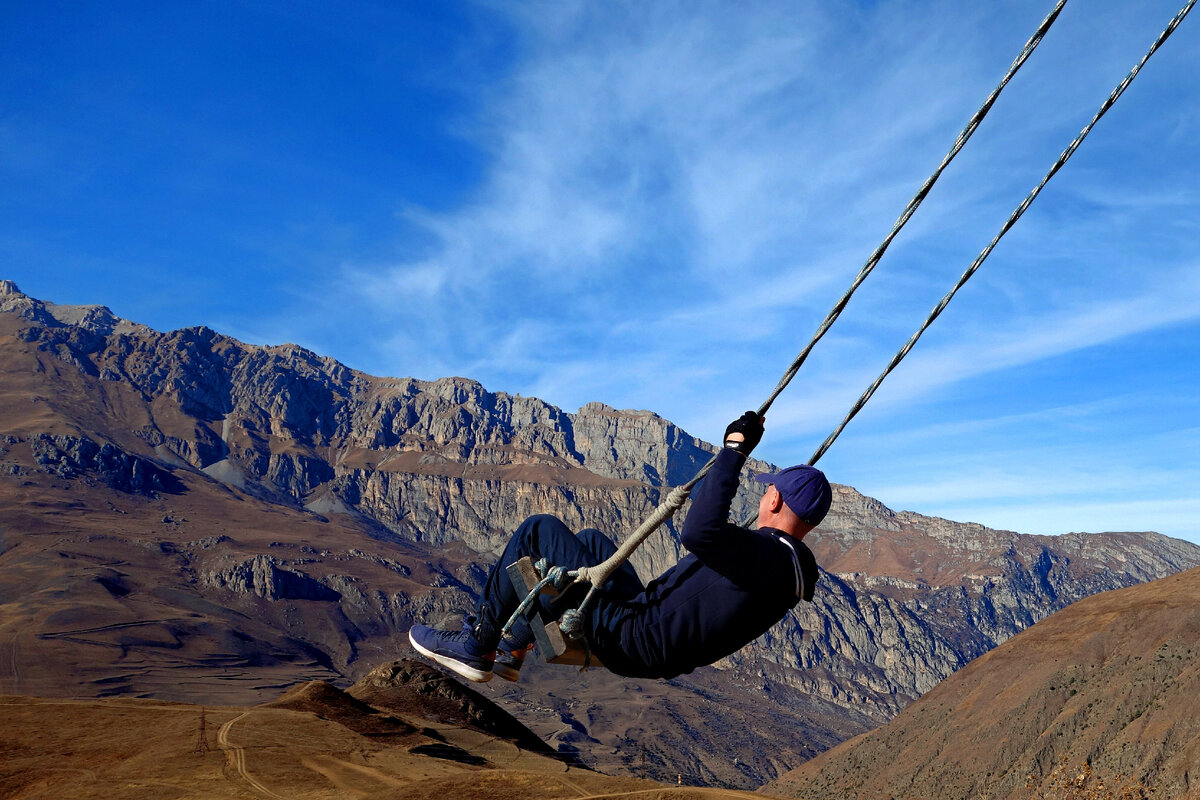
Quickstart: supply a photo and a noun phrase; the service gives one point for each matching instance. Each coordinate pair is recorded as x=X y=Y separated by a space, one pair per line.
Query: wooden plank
x=552 y=644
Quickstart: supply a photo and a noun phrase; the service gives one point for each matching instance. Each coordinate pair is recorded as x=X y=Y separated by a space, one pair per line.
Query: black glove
x=750 y=426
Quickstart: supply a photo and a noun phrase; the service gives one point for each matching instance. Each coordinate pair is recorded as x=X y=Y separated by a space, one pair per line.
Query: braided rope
x=597 y=575
x=1016 y=215
x=600 y=573
x=556 y=576
x=912 y=206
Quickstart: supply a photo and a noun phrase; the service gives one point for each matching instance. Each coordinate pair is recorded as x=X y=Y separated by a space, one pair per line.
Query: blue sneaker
x=509 y=659
x=458 y=651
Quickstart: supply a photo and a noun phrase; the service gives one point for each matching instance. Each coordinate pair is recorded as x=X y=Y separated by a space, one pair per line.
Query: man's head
x=796 y=500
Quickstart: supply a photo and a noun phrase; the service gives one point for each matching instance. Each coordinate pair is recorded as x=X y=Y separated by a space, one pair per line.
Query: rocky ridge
x=447 y=466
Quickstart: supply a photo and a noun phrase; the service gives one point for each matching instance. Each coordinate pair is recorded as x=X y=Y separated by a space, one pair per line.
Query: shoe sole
x=454 y=665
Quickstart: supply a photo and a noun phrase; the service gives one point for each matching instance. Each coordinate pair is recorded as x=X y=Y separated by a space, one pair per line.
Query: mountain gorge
x=193 y=518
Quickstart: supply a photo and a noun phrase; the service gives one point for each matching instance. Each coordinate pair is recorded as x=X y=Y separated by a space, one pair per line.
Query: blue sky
x=653 y=205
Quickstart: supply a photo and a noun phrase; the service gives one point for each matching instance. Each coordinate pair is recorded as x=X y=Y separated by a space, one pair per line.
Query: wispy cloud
x=995 y=345
x=671 y=170
x=676 y=193
x=653 y=205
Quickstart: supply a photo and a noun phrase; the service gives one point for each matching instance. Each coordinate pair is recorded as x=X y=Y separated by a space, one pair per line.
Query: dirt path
x=236 y=756
x=572 y=785
x=353 y=779
x=300 y=754
x=14 y=669
x=113 y=627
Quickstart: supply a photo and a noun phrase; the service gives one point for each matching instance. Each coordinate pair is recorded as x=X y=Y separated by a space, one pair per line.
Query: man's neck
x=785 y=526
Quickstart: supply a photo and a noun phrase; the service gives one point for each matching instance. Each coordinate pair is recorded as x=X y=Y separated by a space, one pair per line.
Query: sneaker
x=456 y=650
x=509 y=659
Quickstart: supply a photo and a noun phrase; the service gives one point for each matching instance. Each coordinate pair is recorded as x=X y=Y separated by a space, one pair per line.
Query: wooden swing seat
x=553 y=645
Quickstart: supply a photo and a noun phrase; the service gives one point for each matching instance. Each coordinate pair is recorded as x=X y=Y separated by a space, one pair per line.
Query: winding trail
x=351 y=780
x=236 y=756
x=14 y=668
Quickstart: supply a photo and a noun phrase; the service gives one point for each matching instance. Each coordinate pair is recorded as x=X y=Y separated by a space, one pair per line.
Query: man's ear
x=774 y=499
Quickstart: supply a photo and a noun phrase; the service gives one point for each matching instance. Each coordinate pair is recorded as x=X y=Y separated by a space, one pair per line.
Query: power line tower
x=202 y=738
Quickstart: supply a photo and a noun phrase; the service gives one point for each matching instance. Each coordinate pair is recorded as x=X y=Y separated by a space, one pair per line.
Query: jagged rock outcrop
x=68 y=456
x=264 y=577
x=328 y=702
x=413 y=687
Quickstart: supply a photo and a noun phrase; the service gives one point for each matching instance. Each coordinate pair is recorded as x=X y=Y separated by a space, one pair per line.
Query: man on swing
x=732 y=588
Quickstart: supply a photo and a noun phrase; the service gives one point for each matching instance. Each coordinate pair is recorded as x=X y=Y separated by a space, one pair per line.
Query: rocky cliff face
x=905 y=600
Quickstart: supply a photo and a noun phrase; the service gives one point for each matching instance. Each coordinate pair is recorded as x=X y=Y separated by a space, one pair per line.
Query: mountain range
x=187 y=517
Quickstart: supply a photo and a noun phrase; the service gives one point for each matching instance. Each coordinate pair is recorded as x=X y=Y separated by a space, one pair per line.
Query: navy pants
x=545 y=536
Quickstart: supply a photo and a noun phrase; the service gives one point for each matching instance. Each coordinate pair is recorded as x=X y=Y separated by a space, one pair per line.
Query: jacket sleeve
x=745 y=557
x=705 y=531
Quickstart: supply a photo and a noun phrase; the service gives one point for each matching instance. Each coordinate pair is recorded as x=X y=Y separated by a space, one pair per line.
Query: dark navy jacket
x=735 y=584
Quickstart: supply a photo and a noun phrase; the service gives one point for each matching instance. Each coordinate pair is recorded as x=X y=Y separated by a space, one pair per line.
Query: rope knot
x=679 y=496
x=572 y=623
x=558 y=577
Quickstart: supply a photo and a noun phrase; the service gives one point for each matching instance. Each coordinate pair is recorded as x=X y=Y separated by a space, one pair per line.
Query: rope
x=1016 y=215
x=600 y=573
x=597 y=575
x=912 y=206
x=675 y=499
x=553 y=575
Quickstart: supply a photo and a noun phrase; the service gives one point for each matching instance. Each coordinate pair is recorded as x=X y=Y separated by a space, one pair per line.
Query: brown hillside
x=1098 y=700
x=307 y=745
x=407 y=685
x=329 y=702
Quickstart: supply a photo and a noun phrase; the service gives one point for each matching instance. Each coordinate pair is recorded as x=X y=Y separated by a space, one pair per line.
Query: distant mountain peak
x=96 y=319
